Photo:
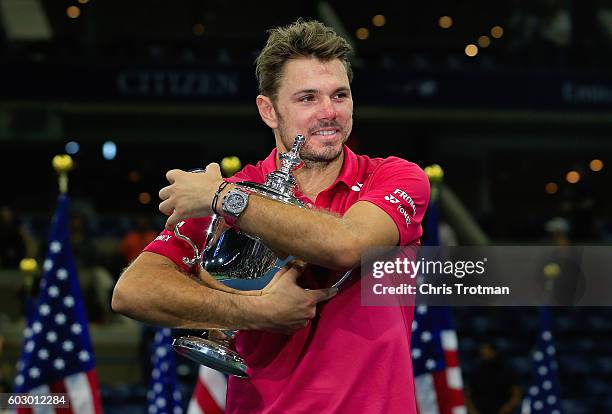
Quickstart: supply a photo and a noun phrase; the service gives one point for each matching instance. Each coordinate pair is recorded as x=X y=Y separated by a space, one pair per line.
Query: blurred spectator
x=12 y=239
x=97 y=284
x=604 y=18
x=593 y=32
x=82 y=240
x=136 y=240
x=541 y=32
x=556 y=23
x=95 y=279
x=493 y=385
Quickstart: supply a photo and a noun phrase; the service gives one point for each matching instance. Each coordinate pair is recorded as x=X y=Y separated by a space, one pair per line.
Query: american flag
x=209 y=393
x=57 y=356
x=435 y=360
x=434 y=344
x=163 y=396
x=544 y=396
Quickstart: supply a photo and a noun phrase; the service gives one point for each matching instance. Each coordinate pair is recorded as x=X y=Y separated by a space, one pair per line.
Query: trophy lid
x=282 y=180
x=280 y=184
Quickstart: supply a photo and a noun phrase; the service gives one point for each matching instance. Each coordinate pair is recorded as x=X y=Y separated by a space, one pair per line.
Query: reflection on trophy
x=231 y=254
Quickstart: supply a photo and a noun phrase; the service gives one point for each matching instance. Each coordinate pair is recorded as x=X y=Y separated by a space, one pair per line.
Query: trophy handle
x=197 y=254
x=342 y=279
x=177 y=232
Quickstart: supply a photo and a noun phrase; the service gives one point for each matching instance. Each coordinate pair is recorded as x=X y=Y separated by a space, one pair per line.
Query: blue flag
x=544 y=393
x=163 y=396
x=434 y=344
x=57 y=355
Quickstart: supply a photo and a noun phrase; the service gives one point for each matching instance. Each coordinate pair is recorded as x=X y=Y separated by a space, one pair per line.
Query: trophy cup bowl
x=232 y=254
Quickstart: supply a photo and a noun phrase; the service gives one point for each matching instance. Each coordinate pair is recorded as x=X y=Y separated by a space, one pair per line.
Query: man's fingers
x=218 y=335
x=172 y=221
x=171 y=175
x=166 y=207
x=298 y=262
x=278 y=275
x=321 y=295
x=213 y=167
x=165 y=192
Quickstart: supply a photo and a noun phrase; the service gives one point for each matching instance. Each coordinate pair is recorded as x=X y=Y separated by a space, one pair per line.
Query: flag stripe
x=209 y=394
x=46 y=409
x=60 y=388
x=426 y=395
x=194 y=406
x=206 y=401
x=77 y=387
x=41 y=409
x=94 y=388
x=452 y=358
x=216 y=384
x=444 y=398
x=453 y=378
x=449 y=340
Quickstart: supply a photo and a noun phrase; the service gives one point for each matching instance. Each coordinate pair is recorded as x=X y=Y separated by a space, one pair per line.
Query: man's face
x=314 y=99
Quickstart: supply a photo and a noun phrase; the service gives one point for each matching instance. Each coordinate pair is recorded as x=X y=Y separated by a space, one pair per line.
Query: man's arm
x=314 y=236
x=319 y=237
x=153 y=290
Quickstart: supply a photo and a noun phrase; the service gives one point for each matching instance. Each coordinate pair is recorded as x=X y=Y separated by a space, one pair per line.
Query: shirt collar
x=348 y=172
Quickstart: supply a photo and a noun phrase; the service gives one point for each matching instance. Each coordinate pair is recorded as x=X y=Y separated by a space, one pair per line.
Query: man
x=493 y=386
x=345 y=358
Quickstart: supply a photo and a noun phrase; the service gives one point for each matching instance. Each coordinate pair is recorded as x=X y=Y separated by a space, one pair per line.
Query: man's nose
x=328 y=110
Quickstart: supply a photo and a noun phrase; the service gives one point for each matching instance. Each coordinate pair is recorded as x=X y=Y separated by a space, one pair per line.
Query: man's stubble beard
x=311 y=157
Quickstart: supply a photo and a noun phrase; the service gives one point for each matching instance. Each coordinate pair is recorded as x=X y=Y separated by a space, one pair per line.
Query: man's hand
x=189 y=194
x=287 y=306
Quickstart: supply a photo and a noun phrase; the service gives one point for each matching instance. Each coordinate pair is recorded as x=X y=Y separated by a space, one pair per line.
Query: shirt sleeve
x=175 y=249
x=401 y=189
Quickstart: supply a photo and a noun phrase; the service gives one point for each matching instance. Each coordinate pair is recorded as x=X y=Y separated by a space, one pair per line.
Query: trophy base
x=211 y=354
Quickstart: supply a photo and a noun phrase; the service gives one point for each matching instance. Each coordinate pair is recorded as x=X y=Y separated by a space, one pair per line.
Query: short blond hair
x=303 y=38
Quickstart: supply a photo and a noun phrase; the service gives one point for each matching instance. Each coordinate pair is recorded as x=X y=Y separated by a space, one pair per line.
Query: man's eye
x=307 y=98
x=341 y=95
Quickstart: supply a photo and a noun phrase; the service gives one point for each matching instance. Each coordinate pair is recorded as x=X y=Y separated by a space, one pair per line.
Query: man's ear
x=267 y=111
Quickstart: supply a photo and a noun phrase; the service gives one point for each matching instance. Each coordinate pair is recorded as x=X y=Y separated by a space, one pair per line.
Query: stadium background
x=512 y=98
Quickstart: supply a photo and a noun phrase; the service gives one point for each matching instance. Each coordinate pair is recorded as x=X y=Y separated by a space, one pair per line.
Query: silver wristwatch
x=234 y=203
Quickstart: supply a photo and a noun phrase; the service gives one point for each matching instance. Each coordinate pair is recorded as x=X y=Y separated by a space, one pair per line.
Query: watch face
x=235 y=203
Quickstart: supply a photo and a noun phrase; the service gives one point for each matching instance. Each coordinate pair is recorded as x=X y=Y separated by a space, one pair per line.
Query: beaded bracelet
x=216 y=197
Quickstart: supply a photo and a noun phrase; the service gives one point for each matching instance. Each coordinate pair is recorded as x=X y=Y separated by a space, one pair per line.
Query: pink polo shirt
x=350 y=358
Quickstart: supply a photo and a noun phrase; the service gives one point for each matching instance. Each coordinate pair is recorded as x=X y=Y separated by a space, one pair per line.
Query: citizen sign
x=178 y=84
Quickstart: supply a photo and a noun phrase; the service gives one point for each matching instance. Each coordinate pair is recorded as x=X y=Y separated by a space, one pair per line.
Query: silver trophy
x=231 y=254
